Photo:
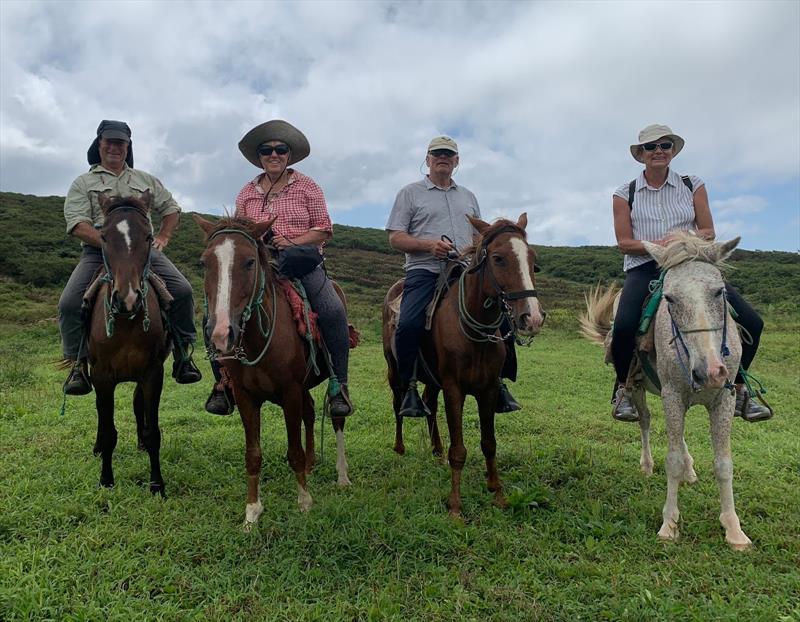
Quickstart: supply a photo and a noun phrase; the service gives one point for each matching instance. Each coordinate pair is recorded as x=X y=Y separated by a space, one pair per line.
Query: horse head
x=126 y=239
x=235 y=263
x=509 y=265
x=694 y=292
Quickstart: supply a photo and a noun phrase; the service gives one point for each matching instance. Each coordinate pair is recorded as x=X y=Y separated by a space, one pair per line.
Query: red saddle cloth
x=299 y=315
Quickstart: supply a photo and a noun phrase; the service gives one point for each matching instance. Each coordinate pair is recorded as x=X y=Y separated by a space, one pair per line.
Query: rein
x=110 y=307
x=677 y=339
x=264 y=322
x=486 y=332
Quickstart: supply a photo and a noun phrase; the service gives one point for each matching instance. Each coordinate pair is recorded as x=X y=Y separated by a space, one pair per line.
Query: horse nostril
x=698 y=377
x=525 y=319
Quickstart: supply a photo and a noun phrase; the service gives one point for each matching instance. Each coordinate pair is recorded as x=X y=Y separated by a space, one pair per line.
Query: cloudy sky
x=543 y=98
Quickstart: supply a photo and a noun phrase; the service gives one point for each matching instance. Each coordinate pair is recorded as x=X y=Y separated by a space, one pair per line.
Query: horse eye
x=719 y=292
x=249 y=263
x=498 y=260
x=669 y=299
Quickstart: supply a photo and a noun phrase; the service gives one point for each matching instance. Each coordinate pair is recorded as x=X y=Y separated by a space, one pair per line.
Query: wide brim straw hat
x=275 y=129
x=653 y=133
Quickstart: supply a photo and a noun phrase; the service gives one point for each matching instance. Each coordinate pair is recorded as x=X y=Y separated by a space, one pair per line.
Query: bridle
x=486 y=332
x=677 y=339
x=265 y=322
x=110 y=305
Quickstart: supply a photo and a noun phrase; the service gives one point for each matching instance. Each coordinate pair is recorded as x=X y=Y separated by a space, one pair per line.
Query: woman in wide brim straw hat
x=298 y=205
x=656 y=204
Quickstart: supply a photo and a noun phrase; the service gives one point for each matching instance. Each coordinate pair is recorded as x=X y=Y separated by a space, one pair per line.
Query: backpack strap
x=632 y=188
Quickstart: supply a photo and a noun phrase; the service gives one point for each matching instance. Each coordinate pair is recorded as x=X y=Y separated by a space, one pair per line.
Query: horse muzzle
x=222 y=335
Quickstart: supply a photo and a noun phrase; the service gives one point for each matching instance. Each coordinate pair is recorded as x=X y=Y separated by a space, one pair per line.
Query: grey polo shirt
x=425 y=211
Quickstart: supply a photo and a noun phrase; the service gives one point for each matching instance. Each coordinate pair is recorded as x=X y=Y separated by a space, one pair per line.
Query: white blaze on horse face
x=224 y=253
x=532 y=307
x=125 y=229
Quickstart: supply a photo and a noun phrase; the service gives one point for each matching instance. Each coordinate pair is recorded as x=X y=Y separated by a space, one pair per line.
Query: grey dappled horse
x=696 y=354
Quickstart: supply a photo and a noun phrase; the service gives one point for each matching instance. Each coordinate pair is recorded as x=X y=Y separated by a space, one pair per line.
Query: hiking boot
x=185 y=371
x=748 y=409
x=412 y=404
x=340 y=404
x=77 y=383
x=219 y=402
x=623 y=410
x=505 y=401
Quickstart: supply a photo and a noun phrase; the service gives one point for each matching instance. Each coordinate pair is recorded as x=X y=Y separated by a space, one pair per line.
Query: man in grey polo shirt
x=423 y=212
x=111 y=173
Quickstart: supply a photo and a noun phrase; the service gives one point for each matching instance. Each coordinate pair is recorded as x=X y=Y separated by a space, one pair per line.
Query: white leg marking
x=304 y=499
x=124 y=228
x=341 y=460
x=520 y=249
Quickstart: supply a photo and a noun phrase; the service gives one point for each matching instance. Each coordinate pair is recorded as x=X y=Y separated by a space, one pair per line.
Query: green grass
x=578 y=542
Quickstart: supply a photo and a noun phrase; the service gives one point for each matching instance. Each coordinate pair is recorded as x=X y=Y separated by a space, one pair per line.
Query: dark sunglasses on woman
x=665 y=146
x=266 y=150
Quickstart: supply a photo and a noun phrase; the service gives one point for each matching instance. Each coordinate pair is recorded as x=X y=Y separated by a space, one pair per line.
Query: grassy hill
x=35 y=251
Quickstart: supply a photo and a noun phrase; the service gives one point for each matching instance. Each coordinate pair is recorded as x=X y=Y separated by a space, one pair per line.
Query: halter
x=677 y=338
x=265 y=324
x=110 y=307
x=502 y=299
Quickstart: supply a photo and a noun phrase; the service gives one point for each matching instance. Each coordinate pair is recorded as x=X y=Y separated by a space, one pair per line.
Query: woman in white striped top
x=651 y=207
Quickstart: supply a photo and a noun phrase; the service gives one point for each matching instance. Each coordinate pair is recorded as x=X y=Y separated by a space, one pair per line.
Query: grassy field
x=578 y=542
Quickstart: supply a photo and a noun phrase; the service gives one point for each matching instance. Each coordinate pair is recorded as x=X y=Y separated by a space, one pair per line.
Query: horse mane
x=129 y=201
x=688 y=246
x=495 y=229
x=235 y=222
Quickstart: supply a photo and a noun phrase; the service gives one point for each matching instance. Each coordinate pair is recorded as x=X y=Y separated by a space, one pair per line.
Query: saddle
x=447 y=277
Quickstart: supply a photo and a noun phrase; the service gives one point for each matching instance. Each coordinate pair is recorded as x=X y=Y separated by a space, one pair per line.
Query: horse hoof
x=400 y=450
x=107 y=483
x=344 y=481
x=740 y=542
x=247 y=526
x=647 y=469
x=97 y=450
x=158 y=488
x=500 y=502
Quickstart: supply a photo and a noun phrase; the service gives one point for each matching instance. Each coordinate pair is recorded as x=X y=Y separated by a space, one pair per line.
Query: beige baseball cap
x=443 y=142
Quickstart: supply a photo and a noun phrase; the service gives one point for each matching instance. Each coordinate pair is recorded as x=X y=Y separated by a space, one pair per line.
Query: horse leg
x=250 y=413
x=292 y=416
x=138 y=411
x=674 y=413
x=106 y=432
x=341 y=459
x=457 y=454
x=689 y=476
x=150 y=392
x=721 y=415
x=431 y=398
x=487 y=400
x=309 y=417
x=646 y=458
x=397 y=399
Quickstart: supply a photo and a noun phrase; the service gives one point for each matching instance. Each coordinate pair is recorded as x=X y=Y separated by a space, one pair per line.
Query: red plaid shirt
x=300 y=206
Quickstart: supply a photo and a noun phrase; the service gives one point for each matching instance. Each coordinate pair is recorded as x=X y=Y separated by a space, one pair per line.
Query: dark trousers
x=181 y=313
x=629 y=312
x=418 y=291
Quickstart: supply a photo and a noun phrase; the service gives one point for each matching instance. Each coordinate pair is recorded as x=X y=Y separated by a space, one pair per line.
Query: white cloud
x=543 y=97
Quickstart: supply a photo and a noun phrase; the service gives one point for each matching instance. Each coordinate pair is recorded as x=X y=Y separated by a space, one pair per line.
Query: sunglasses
x=665 y=146
x=266 y=150
x=442 y=153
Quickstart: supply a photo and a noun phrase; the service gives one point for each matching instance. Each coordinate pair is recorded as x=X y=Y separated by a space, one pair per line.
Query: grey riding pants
x=181 y=314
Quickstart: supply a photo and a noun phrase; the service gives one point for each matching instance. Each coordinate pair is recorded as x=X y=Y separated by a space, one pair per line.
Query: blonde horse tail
x=598 y=319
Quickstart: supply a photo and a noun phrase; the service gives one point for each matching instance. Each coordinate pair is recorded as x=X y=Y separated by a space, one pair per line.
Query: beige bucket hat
x=276 y=129
x=651 y=134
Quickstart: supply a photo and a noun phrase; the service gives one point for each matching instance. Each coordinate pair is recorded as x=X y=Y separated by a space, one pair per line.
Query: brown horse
x=127 y=338
x=465 y=349
x=251 y=328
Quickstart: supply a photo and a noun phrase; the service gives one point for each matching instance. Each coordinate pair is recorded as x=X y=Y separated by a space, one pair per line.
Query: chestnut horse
x=465 y=349
x=251 y=328
x=127 y=339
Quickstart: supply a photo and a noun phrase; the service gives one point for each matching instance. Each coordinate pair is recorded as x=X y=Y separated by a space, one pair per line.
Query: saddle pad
x=297 y=304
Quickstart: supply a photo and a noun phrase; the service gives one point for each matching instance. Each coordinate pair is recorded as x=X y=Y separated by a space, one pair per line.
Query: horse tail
x=598 y=319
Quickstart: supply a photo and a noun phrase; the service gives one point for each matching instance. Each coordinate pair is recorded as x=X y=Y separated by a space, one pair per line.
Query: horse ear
x=147 y=199
x=724 y=249
x=656 y=251
x=480 y=225
x=523 y=220
x=104 y=202
x=205 y=225
x=261 y=228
